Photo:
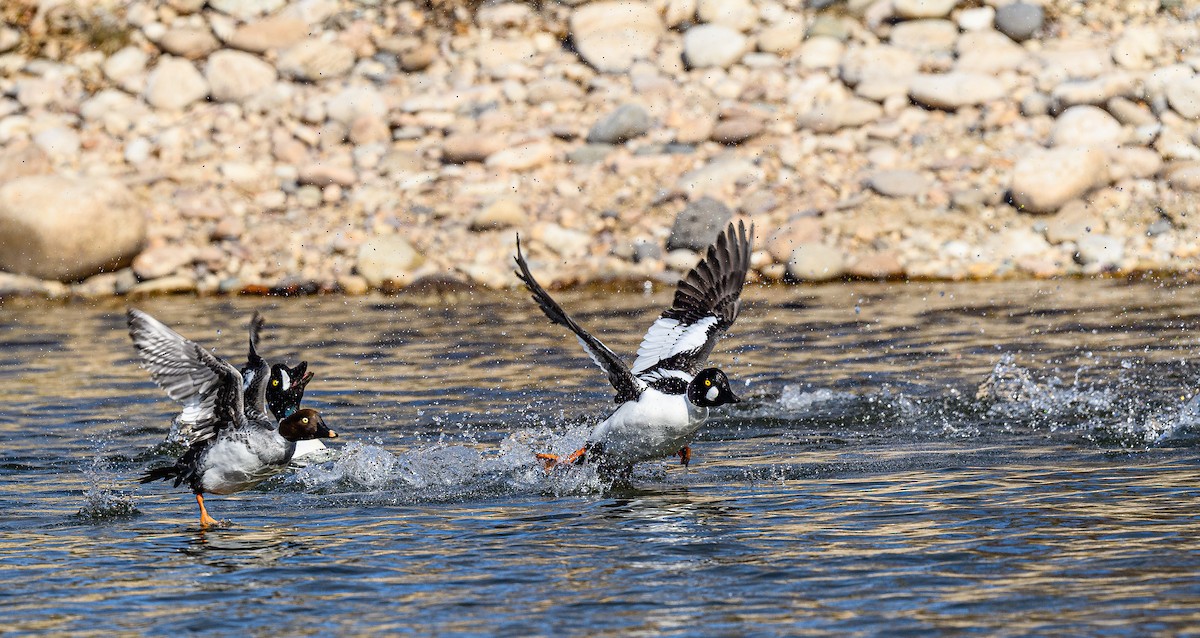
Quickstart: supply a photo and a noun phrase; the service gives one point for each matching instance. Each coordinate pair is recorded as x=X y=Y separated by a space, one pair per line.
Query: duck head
x=710 y=388
x=285 y=389
x=304 y=425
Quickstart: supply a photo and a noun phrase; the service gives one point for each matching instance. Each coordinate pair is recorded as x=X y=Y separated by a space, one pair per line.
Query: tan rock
x=277 y=32
x=189 y=42
x=503 y=213
x=460 y=148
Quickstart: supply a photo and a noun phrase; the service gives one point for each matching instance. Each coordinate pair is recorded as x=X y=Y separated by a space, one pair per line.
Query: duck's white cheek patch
x=712 y=394
x=287 y=380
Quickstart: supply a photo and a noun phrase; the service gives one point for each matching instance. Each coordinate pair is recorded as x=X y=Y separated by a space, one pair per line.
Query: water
x=1008 y=459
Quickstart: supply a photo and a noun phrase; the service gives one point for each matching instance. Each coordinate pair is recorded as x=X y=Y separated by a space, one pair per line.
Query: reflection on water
x=1017 y=458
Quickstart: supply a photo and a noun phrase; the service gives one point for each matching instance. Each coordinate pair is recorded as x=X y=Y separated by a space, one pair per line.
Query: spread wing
x=209 y=389
x=628 y=386
x=255 y=374
x=706 y=304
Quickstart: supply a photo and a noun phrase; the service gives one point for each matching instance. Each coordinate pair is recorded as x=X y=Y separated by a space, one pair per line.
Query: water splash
x=103 y=500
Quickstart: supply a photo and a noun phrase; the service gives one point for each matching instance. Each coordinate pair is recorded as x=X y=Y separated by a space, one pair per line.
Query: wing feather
x=706 y=304
x=628 y=386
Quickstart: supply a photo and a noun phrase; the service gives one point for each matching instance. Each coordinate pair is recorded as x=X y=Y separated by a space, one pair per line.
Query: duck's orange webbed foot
x=205 y=519
x=685 y=455
x=551 y=461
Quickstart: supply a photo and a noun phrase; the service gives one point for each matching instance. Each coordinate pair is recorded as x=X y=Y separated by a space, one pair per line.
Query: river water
x=912 y=459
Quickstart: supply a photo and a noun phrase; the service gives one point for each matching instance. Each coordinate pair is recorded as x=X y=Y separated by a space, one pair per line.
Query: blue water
x=920 y=459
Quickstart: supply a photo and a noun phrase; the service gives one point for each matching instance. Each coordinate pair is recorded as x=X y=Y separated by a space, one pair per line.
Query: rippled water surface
x=1013 y=459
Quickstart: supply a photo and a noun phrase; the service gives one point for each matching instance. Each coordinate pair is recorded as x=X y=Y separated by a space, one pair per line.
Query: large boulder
x=63 y=228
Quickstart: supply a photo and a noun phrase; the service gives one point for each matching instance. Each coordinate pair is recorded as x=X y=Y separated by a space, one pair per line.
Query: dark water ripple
x=919 y=459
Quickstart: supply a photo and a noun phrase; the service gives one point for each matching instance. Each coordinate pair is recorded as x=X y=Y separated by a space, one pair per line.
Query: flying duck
x=233 y=443
x=664 y=398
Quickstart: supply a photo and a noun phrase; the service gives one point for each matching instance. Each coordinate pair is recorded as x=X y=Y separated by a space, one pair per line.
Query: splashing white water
x=103 y=500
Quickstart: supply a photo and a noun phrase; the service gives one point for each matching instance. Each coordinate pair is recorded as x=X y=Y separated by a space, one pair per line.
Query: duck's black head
x=285 y=389
x=710 y=388
x=304 y=425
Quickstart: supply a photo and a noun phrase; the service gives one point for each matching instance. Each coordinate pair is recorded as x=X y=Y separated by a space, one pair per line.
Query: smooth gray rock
x=698 y=224
x=625 y=123
x=1019 y=20
x=67 y=229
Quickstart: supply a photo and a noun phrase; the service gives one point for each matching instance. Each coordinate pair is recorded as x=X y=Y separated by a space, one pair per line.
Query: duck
x=234 y=443
x=664 y=398
x=285 y=386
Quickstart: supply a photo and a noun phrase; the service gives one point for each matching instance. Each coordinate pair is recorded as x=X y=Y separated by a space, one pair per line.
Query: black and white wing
x=209 y=389
x=628 y=386
x=255 y=374
x=706 y=304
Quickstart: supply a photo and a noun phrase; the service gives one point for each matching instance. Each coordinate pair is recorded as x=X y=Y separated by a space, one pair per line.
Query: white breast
x=241 y=461
x=655 y=426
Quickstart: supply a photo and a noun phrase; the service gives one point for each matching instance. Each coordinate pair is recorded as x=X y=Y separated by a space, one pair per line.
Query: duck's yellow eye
x=304 y=420
x=707 y=382
x=275 y=382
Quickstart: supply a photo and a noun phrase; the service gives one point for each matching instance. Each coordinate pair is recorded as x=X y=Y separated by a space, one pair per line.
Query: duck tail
x=160 y=474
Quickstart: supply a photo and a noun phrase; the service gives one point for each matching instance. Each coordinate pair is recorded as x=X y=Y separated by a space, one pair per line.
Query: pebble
x=125 y=65
x=1104 y=251
x=821 y=53
x=1185 y=177
x=246 y=9
x=387 y=261
x=884 y=61
x=1184 y=96
x=977 y=19
x=314 y=60
x=782 y=37
x=162 y=260
x=276 y=32
x=1075 y=220
x=698 y=224
x=898 y=183
x=829 y=118
x=189 y=42
x=1086 y=126
x=611 y=35
x=713 y=45
x=174 y=83
x=955 y=90
x=735 y=14
x=1043 y=181
x=503 y=213
x=925 y=36
x=737 y=130
x=881 y=265
x=910 y=9
x=460 y=148
x=816 y=262
x=1019 y=20
x=523 y=158
x=234 y=76
x=625 y=123
x=323 y=174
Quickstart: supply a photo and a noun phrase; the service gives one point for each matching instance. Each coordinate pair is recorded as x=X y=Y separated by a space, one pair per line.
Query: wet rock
x=503 y=213
x=735 y=14
x=388 y=260
x=189 y=42
x=625 y=123
x=460 y=148
x=816 y=262
x=611 y=35
x=174 y=84
x=898 y=183
x=1044 y=181
x=713 y=45
x=910 y=9
x=313 y=60
x=234 y=76
x=698 y=224
x=1019 y=20
x=1184 y=96
x=277 y=32
x=1086 y=126
x=951 y=91
x=67 y=229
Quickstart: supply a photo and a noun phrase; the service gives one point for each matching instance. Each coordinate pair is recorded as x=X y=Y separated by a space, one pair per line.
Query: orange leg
x=551 y=461
x=205 y=519
x=685 y=455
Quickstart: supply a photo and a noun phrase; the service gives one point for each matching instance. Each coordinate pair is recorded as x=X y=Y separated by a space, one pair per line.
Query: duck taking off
x=233 y=442
x=664 y=398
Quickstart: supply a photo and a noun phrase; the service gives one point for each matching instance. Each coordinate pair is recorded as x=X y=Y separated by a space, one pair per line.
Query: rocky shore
x=258 y=146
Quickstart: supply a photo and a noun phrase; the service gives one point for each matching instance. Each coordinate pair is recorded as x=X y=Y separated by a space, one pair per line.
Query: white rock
x=989 y=52
x=910 y=9
x=1137 y=47
x=125 y=64
x=1045 y=180
x=59 y=142
x=954 y=90
x=137 y=150
x=1184 y=96
x=246 y=9
x=713 y=45
x=821 y=52
x=313 y=60
x=735 y=14
x=782 y=37
x=387 y=260
x=860 y=63
x=925 y=36
x=174 y=84
x=236 y=76
x=611 y=35
x=1106 y=251
x=977 y=19
x=816 y=262
x=353 y=102
x=1086 y=126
